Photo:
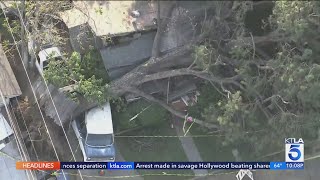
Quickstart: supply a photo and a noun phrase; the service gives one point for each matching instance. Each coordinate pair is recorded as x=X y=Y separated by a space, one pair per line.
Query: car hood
x=99 y=152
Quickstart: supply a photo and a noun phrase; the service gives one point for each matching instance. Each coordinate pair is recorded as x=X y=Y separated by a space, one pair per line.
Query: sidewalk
x=189 y=148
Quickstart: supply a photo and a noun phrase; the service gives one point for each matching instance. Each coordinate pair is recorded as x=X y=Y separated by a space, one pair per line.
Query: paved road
x=8 y=158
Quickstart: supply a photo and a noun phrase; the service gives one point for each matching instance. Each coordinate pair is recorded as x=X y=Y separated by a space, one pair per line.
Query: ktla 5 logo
x=294 y=150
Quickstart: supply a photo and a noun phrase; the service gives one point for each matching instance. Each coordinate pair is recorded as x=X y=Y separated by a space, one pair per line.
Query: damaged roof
x=8 y=83
x=111 y=17
x=122 y=58
x=129 y=53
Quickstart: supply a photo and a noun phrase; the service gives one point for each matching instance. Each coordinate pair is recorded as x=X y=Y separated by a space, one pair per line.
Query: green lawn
x=210 y=148
x=154 y=149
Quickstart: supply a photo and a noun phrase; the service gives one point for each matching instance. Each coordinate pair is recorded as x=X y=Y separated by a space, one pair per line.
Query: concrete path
x=189 y=147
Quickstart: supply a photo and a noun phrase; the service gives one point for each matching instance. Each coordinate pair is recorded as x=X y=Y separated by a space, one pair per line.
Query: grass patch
x=144 y=113
x=210 y=148
x=154 y=149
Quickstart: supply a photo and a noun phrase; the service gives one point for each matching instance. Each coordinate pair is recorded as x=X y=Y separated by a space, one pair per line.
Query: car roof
x=99 y=120
x=5 y=129
x=43 y=54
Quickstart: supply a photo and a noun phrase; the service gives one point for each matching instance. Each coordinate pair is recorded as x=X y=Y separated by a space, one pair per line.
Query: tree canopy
x=85 y=74
x=278 y=96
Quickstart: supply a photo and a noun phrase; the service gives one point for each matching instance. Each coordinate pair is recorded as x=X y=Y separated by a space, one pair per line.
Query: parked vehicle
x=94 y=131
x=6 y=133
x=46 y=55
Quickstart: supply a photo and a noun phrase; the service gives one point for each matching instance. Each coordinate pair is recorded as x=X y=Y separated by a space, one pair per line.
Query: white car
x=46 y=55
x=94 y=131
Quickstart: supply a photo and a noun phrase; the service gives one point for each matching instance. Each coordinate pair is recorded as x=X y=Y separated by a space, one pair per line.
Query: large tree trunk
x=185 y=71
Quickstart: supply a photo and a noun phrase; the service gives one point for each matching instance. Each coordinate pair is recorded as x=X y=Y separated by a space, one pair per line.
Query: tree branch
x=185 y=71
x=70 y=88
x=167 y=107
x=140 y=71
x=9 y=10
x=271 y=37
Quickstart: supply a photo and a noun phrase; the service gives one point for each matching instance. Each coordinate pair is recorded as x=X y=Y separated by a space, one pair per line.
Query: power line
x=192 y=136
x=15 y=42
x=25 y=124
x=19 y=144
x=55 y=108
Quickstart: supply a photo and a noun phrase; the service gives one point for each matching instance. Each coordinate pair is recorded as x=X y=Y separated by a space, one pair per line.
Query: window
x=59 y=58
x=98 y=140
x=45 y=65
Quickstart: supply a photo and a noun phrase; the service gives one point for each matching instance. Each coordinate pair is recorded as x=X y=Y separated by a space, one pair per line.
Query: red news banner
x=38 y=165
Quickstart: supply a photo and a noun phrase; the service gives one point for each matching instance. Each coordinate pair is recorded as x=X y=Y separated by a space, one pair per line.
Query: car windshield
x=99 y=139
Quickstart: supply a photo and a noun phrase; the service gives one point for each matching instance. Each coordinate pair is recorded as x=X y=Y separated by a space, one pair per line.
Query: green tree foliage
x=87 y=74
x=279 y=95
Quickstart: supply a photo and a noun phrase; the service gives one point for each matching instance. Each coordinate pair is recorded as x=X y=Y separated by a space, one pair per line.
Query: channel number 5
x=294 y=149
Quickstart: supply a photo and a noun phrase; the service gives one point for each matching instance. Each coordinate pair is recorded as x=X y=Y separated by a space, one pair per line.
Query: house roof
x=5 y=129
x=128 y=54
x=111 y=17
x=152 y=87
x=120 y=59
x=8 y=83
x=118 y=72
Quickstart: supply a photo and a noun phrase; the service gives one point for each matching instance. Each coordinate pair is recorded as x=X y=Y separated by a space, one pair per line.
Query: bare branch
x=170 y=109
x=253 y=46
x=273 y=96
